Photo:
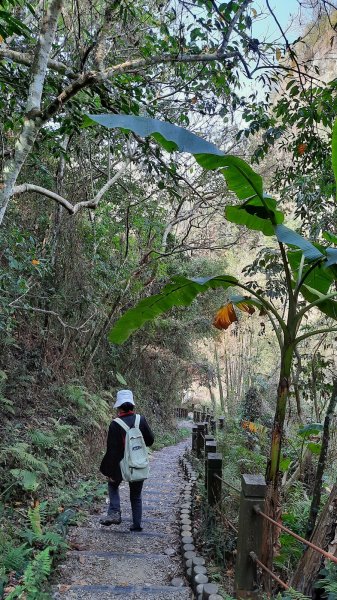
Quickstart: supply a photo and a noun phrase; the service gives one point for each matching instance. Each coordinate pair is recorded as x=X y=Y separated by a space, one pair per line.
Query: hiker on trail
x=118 y=446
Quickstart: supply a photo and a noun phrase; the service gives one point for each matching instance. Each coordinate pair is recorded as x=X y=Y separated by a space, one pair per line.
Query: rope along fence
x=251 y=513
x=264 y=568
x=229 y=485
x=297 y=537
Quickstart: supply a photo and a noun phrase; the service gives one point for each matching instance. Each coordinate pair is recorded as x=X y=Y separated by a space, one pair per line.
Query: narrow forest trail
x=112 y=562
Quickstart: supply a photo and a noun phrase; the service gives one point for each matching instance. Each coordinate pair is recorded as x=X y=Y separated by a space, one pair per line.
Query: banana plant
x=310 y=269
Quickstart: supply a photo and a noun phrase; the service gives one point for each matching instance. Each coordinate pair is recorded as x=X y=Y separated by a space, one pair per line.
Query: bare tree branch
x=54 y=314
x=71 y=208
x=231 y=25
x=25 y=58
x=90 y=78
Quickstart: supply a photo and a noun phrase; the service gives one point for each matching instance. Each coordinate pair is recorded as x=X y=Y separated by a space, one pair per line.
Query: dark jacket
x=116 y=442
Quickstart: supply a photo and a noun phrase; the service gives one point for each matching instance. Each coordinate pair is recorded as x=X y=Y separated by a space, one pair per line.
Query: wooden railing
x=251 y=511
x=181 y=413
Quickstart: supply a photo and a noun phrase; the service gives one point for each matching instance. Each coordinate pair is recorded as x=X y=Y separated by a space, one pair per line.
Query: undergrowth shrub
x=34 y=578
x=242 y=451
x=6 y=405
x=328 y=581
x=295 y=516
x=42 y=458
x=35 y=458
x=31 y=541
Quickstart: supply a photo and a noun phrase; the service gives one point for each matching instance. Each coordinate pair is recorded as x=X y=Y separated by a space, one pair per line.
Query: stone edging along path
x=195 y=569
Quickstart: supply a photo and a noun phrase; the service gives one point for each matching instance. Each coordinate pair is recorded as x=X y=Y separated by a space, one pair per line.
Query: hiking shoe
x=135 y=528
x=112 y=518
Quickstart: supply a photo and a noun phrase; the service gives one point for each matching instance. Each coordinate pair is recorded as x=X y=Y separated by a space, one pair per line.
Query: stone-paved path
x=113 y=563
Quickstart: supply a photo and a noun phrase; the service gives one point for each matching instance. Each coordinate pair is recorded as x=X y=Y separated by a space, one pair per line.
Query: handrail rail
x=227 y=483
x=279 y=581
x=327 y=555
x=219 y=513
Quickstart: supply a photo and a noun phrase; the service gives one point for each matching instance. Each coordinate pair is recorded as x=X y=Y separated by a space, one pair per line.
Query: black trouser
x=135 y=499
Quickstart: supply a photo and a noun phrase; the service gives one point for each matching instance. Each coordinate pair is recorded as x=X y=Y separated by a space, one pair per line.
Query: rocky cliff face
x=318 y=48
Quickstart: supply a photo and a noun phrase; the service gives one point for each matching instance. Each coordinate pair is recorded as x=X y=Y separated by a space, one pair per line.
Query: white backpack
x=135 y=463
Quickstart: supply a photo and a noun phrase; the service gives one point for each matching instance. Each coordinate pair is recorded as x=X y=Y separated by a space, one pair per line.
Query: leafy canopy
x=316 y=266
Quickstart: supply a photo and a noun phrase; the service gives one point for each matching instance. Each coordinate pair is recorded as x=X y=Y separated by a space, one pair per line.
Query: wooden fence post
x=200 y=439
x=210 y=448
x=214 y=467
x=213 y=425
x=207 y=438
x=194 y=438
x=253 y=490
x=222 y=422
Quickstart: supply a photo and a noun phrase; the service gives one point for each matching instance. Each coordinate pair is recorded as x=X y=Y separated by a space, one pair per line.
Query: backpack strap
x=137 y=421
x=122 y=424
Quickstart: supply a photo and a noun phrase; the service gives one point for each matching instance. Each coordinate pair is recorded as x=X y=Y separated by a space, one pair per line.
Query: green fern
x=7 y=406
x=37 y=516
x=91 y=405
x=34 y=517
x=27 y=479
x=328 y=581
x=14 y=558
x=3 y=581
x=64 y=433
x=20 y=451
x=16 y=593
x=3 y=378
x=291 y=594
x=34 y=577
x=54 y=540
x=43 y=439
x=77 y=395
x=38 y=570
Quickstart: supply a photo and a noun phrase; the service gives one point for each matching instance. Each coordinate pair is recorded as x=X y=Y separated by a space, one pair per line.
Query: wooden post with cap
x=214 y=474
x=210 y=448
x=200 y=439
x=253 y=491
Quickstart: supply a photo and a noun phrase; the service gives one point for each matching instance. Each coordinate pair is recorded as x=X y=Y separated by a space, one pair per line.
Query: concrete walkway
x=108 y=563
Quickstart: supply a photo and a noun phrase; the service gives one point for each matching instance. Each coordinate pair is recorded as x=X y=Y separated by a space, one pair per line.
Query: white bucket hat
x=124 y=396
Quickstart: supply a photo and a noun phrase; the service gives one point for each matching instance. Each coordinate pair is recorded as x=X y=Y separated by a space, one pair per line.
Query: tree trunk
x=272 y=503
x=296 y=377
x=314 y=389
x=211 y=393
x=324 y=533
x=228 y=382
x=316 y=496
x=277 y=432
x=218 y=373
